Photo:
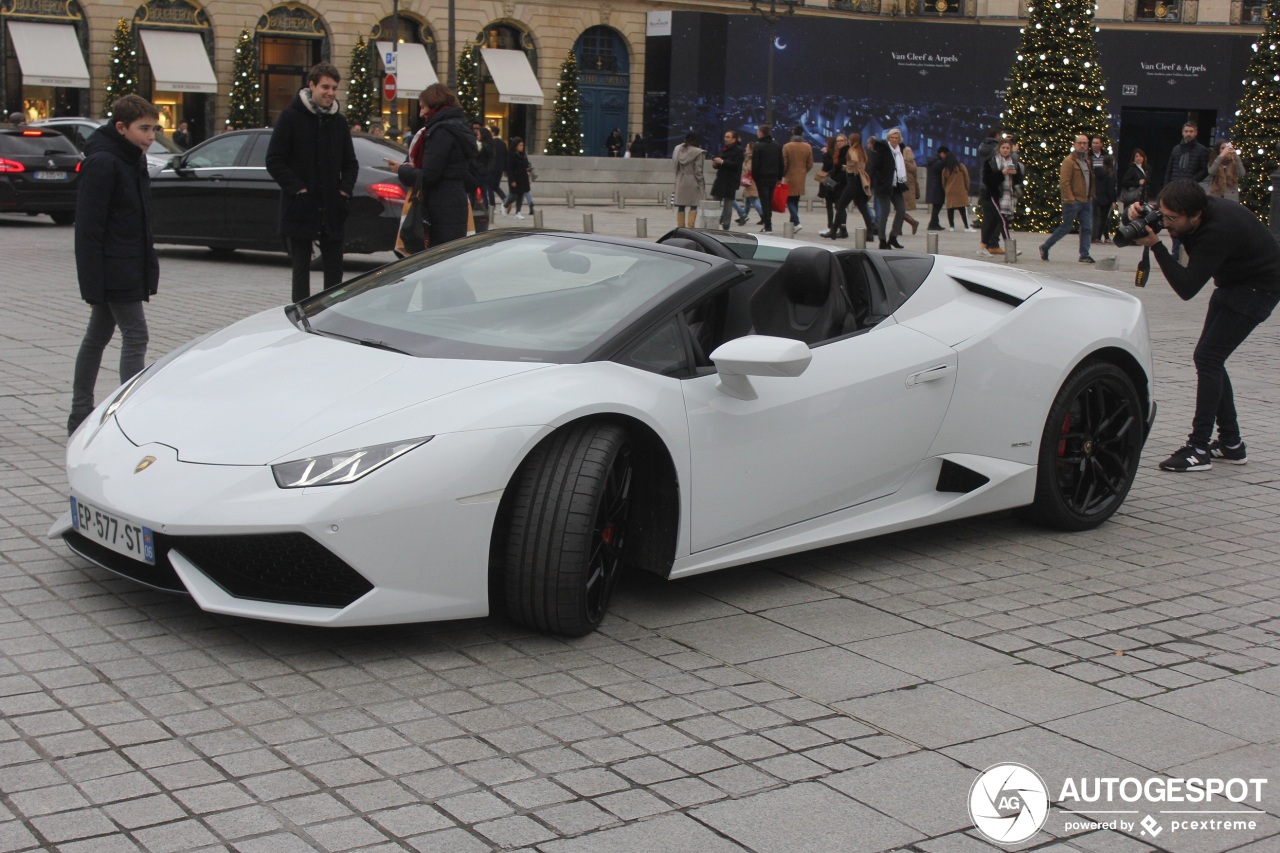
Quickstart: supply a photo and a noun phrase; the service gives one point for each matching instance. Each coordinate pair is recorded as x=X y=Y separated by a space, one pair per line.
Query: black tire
x=1090 y=448
x=568 y=528
x=63 y=217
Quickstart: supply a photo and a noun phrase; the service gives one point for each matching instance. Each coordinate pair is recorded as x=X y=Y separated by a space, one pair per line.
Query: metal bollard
x=622 y=201
x=588 y=223
x=931 y=242
x=537 y=219
x=1011 y=251
x=788 y=230
x=810 y=207
x=665 y=198
x=859 y=237
x=568 y=197
x=642 y=226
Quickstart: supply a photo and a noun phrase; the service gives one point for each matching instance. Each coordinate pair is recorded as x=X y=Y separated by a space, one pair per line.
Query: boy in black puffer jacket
x=116 y=259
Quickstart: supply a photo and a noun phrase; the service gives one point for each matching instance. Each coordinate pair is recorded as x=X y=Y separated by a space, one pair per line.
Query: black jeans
x=103 y=320
x=893 y=199
x=1233 y=313
x=992 y=223
x=765 y=188
x=853 y=193
x=300 y=254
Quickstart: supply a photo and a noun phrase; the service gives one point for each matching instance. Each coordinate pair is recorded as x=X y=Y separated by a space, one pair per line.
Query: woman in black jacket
x=443 y=157
x=518 y=168
x=1133 y=186
x=833 y=154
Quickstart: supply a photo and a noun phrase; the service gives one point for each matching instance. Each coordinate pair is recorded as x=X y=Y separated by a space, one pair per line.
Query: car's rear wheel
x=568 y=528
x=1090 y=448
x=63 y=217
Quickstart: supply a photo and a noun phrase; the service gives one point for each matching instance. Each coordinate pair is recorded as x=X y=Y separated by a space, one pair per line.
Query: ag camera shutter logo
x=1008 y=803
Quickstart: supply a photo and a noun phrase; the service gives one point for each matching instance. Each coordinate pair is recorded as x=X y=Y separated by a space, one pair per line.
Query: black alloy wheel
x=1090 y=448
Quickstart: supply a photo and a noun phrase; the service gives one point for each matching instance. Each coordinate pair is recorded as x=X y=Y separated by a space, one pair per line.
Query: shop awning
x=49 y=55
x=179 y=62
x=512 y=75
x=415 y=72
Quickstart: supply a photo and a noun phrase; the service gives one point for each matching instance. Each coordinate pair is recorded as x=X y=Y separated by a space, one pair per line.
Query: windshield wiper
x=364 y=342
x=368 y=342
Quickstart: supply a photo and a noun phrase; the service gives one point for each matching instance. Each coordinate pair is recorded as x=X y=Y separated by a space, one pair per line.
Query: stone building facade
x=610 y=38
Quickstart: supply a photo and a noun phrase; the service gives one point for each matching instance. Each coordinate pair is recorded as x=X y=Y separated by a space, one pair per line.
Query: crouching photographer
x=1225 y=242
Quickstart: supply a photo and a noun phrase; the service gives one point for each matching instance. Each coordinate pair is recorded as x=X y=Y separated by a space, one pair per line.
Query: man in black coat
x=1189 y=160
x=313 y=160
x=497 y=171
x=728 y=168
x=766 y=171
x=116 y=261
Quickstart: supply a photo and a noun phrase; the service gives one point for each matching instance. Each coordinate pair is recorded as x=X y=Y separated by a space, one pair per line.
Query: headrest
x=807 y=274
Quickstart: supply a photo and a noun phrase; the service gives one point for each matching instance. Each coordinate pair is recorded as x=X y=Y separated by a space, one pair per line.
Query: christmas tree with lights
x=566 y=121
x=122 y=78
x=469 y=83
x=361 y=108
x=1257 y=127
x=246 y=91
x=1055 y=91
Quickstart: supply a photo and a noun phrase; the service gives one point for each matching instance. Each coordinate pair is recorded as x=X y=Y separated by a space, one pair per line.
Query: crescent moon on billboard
x=778 y=44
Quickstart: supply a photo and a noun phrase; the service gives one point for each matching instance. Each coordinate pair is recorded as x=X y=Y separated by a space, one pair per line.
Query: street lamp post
x=772 y=15
x=394 y=130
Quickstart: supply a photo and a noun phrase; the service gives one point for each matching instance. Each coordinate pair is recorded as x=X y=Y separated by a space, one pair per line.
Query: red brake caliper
x=1062 y=443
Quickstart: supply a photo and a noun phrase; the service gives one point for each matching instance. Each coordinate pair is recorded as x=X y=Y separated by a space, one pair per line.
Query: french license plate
x=49 y=176
x=113 y=531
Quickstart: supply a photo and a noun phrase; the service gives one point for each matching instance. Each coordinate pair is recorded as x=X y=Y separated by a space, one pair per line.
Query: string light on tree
x=469 y=83
x=361 y=106
x=1056 y=92
x=1256 y=130
x=123 y=79
x=245 y=109
x=566 y=122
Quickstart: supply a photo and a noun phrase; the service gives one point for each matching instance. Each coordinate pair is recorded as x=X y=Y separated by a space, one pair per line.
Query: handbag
x=830 y=182
x=412 y=236
x=746 y=181
x=780 y=194
x=821 y=176
x=1129 y=195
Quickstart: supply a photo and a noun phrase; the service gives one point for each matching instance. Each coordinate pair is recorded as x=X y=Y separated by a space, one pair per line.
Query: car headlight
x=334 y=469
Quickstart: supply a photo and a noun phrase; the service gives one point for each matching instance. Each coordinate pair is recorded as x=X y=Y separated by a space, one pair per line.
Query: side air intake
x=957 y=478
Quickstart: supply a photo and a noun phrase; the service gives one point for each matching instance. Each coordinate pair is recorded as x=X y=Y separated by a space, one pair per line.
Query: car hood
x=261 y=389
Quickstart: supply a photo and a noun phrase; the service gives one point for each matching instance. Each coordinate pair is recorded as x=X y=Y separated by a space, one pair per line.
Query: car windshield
x=33 y=144
x=164 y=146
x=503 y=297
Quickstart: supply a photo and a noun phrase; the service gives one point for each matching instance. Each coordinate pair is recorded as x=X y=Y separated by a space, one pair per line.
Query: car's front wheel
x=568 y=528
x=1090 y=448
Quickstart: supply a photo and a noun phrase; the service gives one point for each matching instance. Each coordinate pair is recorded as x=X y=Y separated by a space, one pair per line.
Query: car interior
x=813 y=295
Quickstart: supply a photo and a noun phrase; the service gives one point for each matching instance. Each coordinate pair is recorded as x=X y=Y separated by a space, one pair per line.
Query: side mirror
x=757 y=355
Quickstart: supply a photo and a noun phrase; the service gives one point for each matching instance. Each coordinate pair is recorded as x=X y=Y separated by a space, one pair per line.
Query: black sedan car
x=38 y=173
x=219 y=194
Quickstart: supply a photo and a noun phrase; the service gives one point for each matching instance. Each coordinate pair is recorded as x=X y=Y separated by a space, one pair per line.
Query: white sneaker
x=519 y=216
x=951 y=228
x=984 y=253
x=797 y=228
x=971 y=230
x=826 y=233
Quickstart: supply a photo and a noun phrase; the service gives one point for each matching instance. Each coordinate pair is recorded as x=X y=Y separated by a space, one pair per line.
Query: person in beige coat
x=913 y=187
x=797 y=161
x=691 y=183
x=955 y=184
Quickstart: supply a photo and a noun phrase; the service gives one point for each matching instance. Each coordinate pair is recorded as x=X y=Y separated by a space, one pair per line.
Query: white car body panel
x=790 y=455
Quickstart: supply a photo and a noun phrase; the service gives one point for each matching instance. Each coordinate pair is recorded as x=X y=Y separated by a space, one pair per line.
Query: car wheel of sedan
x=568 y=529
x=1090 y=448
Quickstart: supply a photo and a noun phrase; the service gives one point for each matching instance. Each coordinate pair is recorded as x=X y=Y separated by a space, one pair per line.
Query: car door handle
x=930 y=374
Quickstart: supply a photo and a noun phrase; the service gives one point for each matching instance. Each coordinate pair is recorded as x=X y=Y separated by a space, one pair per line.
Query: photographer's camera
x=1136 y=229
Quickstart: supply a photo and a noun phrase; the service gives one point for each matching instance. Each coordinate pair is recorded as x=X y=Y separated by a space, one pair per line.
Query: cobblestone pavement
x=839 y=700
